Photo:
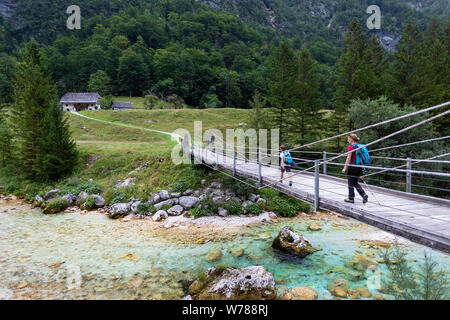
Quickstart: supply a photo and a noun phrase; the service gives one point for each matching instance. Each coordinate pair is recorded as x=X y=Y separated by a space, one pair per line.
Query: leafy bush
x=197 y=212
x=406 y=283
x=55 y=206
x=90 y=203
x=180 y=186
x=239 y=188
x=209 y=206
x=234 y=207
x=269 y=194
x=74 y=186
x=116 y=196
x=285 y=207
x=144 y=208
x=254 y=209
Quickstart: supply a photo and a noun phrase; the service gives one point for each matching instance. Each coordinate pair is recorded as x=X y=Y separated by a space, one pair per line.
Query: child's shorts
x=287 y=168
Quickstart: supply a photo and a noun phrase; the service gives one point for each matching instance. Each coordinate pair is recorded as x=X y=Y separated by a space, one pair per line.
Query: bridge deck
x=422 y=219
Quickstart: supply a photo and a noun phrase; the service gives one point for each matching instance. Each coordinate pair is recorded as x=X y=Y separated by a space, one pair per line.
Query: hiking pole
x=371 y=191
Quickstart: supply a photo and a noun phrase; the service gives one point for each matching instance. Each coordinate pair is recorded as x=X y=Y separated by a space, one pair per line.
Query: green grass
x=163 y=120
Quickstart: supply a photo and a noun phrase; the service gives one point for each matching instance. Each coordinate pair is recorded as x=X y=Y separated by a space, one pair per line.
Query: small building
x=121 y=106
x=79 y=101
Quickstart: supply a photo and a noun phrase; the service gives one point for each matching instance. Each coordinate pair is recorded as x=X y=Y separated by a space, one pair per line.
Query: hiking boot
x=365 y=198
x=350 y=200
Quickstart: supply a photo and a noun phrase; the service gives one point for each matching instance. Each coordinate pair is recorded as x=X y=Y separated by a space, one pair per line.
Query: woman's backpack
x=362 y=155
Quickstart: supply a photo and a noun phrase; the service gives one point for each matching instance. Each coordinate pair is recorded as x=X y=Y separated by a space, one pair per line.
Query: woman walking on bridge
x=353 y=173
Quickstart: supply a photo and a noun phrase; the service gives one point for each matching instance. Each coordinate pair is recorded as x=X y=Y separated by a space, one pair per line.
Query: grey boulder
x=119 y=210
x=223 y=212
x=175 y=210
x=169 y=202
x=160 y=215
x=51 y=194
x=189 y=202
x=70 y=198
x=164 y=194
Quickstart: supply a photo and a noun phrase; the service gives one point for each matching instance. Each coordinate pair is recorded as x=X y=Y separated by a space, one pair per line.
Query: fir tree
x=35 y=106
x=283 y=73
x=57 y=154
x=355 y=76
x=5 y=142
x=308 y=97
x=406 y=81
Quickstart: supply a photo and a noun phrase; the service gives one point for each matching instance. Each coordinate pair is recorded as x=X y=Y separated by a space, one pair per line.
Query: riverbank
x=75 y=256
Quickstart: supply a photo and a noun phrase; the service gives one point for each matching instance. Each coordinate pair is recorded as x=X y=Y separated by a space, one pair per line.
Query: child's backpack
x=362 y=155
x=287 y=157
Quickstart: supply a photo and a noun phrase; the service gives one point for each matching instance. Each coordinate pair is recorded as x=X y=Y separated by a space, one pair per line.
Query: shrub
x=287 y=206
x=180 y=186
x=269 y=194
x=209 y=206
x=234 y=207
x=239 y=188
x=197 y=212
x=90 y=203
x=406 y=283
x=74 y=186
x=254 y=209
x=116 y=196
x=55 y=206
x=144 y=208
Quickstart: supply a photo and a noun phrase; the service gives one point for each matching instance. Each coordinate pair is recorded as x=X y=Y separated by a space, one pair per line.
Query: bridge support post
x=259 y=169
x=216 y=166
x=192 y=152
x=234 y=162
x=316 y=185
x=408 y=175
x=325 y=163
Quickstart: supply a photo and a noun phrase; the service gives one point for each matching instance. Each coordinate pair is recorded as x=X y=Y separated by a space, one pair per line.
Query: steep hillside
x=307 y=19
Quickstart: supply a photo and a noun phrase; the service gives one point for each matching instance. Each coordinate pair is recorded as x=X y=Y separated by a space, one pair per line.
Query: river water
x=74 y=256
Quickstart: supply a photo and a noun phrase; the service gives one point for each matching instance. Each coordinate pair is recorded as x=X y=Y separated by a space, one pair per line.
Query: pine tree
x=406 y=81
x=283 y=72
x=432 y=70
x=35 y=102
x=6 y=143
x=308 y=97
x=57 y=154
x=355 y=76
x=379 y=65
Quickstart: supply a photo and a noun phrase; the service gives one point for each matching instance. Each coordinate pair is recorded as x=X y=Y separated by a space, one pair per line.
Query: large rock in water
x=250 y=283
x=291 y=242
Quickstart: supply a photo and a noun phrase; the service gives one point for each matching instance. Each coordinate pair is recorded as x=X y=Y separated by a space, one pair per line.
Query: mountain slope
x=307 y=19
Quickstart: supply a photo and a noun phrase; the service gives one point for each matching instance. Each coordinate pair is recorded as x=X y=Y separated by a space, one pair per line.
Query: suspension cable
x=410 y=144
x=375 y=125
x=373 y=142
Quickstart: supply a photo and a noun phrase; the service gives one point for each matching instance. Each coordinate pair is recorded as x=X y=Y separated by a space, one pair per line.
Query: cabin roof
x=121 y=105
x=80 y=97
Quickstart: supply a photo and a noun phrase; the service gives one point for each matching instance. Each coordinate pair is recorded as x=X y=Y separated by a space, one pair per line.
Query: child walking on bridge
x=353 y=173
x=287 y=163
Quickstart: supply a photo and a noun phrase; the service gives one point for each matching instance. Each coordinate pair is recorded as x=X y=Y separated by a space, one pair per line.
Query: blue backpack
x=362 y=155
x=287 y=157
